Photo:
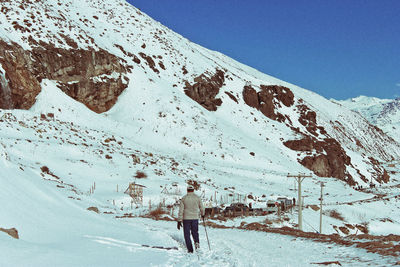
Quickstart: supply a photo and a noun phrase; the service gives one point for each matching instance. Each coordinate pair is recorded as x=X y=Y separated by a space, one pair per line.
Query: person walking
x=190 y=208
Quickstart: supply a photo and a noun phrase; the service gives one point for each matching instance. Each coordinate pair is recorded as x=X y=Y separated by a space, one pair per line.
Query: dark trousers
x=191 y=226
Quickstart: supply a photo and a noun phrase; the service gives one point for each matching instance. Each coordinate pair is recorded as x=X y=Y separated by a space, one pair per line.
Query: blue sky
x=338 y=48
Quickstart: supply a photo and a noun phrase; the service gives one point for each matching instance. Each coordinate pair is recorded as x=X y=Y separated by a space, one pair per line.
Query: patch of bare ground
x=126 y=215
x=140 y=175
x=335 y=214
x=215 y=225
x=327 y=263
x=95 y=209
x=383 y=245
x=158 y=214
x=388 y=245
x=11 y=232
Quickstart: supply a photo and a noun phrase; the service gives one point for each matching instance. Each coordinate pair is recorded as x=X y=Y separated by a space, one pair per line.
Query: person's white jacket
x=190 y=207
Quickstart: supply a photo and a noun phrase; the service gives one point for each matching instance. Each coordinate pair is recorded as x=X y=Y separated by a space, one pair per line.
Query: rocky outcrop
x=231 y=96
x=205 y=89
x=95 y=209
x=5 y=91
x=270 y=97
x=328 y=158
x=318 y=151
x=308 y=118
x=11 y=232
x=94 y=78
x=22 y=86
x=150 y=62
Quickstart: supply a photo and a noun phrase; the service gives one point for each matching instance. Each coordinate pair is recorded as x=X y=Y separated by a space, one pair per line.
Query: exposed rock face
x=384 y=177
x=149 y=61
x=268 y=98
x=281 y=93
x=308 y=118
x=319 y=152
x=330 y=160
x=250 y=97
x=205 y=89
x=94 y=78
x=232 y=97
x=23 y=87
x=5 y=92
x=95 y=209
x=326 y=158
x=11 y=232
x=381 y=176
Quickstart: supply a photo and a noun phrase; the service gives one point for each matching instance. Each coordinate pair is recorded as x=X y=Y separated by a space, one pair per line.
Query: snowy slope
x=154 y=102
x=384 y=113
x=49 y=208
x=55 y=152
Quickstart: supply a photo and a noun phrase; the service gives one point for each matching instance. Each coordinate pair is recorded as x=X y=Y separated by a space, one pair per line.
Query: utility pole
x=299 y=178
x=320 y=209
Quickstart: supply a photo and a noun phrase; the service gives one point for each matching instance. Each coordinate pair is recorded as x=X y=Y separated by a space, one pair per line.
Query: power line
x=320 y=210
x=299 y=178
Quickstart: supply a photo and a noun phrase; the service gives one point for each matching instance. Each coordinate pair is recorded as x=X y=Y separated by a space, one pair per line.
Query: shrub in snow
x=140 y=175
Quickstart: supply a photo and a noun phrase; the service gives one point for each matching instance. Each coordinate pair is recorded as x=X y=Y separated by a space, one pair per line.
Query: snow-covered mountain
x=95 y=94
x=384 y=113
x=116 y=60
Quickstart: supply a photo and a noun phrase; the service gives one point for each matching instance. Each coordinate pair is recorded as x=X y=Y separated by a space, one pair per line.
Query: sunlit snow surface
x=176 y=140
x=56 y=229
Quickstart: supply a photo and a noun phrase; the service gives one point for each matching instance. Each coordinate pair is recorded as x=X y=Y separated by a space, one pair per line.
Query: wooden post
x=117 y=188
x=279 y=211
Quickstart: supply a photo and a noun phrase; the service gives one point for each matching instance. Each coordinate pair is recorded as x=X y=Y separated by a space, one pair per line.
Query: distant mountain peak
x=384 y=113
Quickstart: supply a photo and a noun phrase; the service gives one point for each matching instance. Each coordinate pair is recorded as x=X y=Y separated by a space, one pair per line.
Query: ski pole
x=205 y=229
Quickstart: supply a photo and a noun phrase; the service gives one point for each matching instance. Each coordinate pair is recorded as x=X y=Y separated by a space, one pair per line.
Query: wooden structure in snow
x=171 y=189
x=136 y=192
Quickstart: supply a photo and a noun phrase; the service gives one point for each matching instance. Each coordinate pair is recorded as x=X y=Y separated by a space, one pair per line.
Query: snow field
x=155 y=121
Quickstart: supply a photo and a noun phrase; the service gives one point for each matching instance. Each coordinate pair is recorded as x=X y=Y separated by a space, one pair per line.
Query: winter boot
x=196 y=246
